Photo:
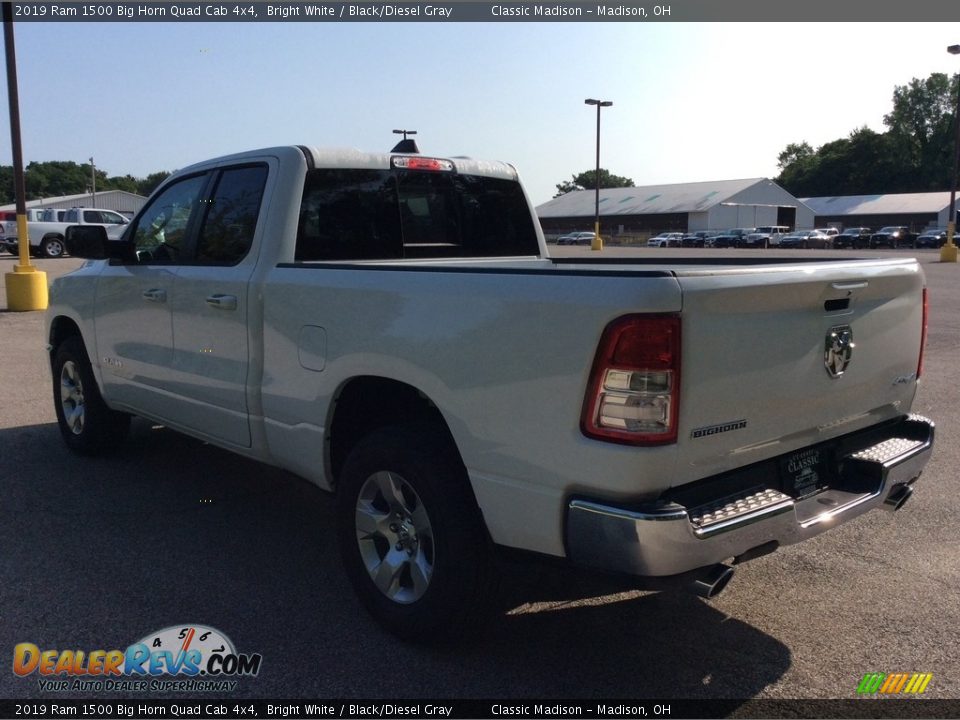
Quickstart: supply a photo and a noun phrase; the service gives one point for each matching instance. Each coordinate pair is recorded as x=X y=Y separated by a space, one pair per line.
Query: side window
x=160 y=233
x=110 y=217
x=91 y=216
x=349 y=215
x=71 y=216
x=231 y=216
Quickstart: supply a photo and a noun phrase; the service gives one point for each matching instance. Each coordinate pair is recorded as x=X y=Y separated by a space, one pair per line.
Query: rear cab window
x=354 y=214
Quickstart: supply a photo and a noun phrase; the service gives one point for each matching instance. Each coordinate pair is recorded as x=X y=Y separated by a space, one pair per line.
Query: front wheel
x=88 y=426
x=411 y=536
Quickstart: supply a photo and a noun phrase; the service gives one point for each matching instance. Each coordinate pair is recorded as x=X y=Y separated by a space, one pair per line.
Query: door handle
x=155 y=295
x=223 y=302
x=849 y=286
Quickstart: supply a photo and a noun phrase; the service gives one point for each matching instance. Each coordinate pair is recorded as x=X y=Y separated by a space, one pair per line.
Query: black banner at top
x=471 y=11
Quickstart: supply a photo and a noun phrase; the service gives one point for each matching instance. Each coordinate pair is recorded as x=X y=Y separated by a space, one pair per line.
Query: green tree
x=147 y=185
x=921 y=124
x=127 y=183
x=587 y=181
x=6 y=184
x=56 y=178
x=915 y=154
x=794 y=153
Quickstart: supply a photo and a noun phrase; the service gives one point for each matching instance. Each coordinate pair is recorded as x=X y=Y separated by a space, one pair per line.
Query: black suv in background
x=893 y=236
x=855 y=238
x=731 y=238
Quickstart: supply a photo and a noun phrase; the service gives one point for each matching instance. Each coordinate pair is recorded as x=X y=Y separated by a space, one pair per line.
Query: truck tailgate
x=779 y=358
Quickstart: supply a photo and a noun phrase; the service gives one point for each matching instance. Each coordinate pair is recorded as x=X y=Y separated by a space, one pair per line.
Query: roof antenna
x=405 y=145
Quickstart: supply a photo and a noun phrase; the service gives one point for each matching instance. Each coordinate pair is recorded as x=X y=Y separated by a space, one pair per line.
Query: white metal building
x=119 y=200
x=918 y=210
x=716 y=205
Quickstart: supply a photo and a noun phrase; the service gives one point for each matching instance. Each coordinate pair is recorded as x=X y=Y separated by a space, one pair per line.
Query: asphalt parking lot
x=97 y=553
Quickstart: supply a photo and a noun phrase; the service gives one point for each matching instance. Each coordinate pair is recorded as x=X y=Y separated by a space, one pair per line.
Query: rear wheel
x=52 y=247
x=411 y=535
x=88 y=426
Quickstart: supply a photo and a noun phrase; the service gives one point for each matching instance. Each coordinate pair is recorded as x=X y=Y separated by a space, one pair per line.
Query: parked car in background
x=666 y=239
x=8 y=225
x=854 y=238
x=806 y=239
x=731 y=238
x=893 y=236
x=577 y=238
x=47 y=230
x=765 y=236
x=697 y=239
x=828 y=231
x=933 y=238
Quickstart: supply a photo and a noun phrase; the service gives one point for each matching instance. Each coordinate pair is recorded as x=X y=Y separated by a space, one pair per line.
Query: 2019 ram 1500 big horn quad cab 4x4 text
x=391 y=328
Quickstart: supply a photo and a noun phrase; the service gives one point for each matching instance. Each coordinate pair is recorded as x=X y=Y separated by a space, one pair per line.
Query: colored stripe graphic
x=871 y=683
x=894 y=683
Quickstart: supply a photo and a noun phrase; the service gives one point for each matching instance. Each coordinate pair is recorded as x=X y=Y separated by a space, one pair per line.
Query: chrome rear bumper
x=668 y=538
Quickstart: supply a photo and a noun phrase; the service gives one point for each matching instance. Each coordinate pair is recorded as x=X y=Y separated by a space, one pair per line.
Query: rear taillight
x=923 y=333
x=633 y=394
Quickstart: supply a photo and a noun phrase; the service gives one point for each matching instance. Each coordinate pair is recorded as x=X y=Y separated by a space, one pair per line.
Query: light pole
x=948 y=253
x=93 y=184
x=26 y=286
x=597 y=243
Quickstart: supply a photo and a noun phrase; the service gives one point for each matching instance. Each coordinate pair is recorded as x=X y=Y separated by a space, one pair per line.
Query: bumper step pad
x=888 y=450
x=738 y=510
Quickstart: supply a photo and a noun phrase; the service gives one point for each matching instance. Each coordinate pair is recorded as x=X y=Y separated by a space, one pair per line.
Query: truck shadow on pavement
x=168 y=530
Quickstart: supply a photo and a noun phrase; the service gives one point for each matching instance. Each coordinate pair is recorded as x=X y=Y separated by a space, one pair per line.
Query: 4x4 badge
x=838 y=349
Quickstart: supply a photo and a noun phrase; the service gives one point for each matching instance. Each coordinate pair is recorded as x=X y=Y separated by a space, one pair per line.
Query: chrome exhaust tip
x=898 y=497
x=712 y=582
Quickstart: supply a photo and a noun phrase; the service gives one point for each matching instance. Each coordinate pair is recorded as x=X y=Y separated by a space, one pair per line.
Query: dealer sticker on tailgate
x=804 y=471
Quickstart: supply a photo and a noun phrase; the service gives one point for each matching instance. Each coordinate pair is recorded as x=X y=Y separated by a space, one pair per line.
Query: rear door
x=211 y=305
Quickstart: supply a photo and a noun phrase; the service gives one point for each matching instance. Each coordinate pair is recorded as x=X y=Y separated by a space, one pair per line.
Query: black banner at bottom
x=476 y=709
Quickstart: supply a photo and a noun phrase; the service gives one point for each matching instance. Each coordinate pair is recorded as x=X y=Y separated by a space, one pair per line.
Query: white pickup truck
x=391 y=328
x=46 y=228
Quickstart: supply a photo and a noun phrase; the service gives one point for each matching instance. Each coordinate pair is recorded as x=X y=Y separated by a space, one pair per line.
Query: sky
x=691 y=101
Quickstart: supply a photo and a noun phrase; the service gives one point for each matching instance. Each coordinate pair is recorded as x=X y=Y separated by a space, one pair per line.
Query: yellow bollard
x=948 y=253
x=597 y=243
x=26 y=286
x=26 y=289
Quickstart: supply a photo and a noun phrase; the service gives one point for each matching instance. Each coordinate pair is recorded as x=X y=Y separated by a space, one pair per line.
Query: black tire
x=52 y=247
x=88 y=426
x=409 y=485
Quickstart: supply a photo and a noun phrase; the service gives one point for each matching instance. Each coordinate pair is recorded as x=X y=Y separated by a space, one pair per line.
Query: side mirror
x=91 y=242
x=86 y=241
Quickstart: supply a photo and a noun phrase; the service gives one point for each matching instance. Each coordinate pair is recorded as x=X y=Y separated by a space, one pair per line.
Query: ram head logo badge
x=838 y=349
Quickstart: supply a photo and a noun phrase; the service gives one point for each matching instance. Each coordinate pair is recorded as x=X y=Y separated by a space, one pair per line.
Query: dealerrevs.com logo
x=180 y=658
